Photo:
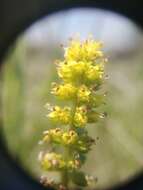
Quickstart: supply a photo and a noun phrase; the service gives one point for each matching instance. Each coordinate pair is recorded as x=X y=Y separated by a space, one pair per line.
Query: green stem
x=65 y=179
x=73 y=113
x=67 y=152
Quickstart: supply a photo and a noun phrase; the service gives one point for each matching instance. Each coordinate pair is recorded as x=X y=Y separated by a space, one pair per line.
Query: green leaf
x=78 y=178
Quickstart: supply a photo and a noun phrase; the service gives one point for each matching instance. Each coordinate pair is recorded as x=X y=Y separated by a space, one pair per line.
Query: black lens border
x=15 y=17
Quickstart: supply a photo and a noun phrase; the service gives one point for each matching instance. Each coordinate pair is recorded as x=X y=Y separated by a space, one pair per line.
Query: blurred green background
x=26 y=81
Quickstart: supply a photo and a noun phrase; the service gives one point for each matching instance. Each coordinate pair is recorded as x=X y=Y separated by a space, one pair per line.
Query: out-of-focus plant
x=82 y=76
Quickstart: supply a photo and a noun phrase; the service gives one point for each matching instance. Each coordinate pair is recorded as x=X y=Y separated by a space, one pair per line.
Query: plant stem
x=64 y=174
x=73 y=113
x=65 y=178
x=67 y=152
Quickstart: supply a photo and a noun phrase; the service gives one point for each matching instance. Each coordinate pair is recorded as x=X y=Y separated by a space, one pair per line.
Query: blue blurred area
x=119 y=33
x=12 y=177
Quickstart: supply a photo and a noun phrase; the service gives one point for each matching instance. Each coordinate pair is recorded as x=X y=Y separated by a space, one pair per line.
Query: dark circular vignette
x=16 y=16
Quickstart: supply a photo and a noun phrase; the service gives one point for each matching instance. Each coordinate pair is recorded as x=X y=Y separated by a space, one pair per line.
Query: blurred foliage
x=27 y=75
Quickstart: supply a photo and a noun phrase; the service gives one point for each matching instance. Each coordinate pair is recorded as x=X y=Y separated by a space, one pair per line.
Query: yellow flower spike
x=83 y=94
x=64 y=91
x=82 y=75
x=60 y=115
x=80 y=118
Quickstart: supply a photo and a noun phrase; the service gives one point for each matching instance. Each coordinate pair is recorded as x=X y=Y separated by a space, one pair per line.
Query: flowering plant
x=82 y=75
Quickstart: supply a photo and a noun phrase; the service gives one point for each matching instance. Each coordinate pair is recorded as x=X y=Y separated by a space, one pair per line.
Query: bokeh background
x=25 y=86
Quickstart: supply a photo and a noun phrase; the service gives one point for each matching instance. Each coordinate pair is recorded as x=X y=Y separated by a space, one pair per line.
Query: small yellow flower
x=80 y=118
x=83 y=94
x=73 y=51
x=53 y=135
x=69 y=137
x=56 y=134
x=64 y=91
x=95 y=73
x=87 y=50
x=72 y=71
x=65 y=72
x=93 y=50
x=60 y=115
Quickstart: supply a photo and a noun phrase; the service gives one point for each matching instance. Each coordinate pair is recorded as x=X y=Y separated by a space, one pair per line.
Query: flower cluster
x=69 y=138
x=82 y=75
x=54 y=161
x=74 y=72
x=60 y=115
